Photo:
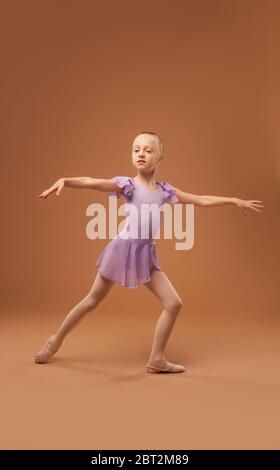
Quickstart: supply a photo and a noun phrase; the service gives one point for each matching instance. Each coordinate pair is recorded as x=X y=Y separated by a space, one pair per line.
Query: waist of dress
x=140 y=241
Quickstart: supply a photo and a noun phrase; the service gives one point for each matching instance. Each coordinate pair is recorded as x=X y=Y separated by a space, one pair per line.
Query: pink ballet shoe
x=164 y=366
x=47 y=351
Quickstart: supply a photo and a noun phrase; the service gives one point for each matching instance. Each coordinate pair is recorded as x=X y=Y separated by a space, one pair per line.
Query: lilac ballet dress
x=131 y=255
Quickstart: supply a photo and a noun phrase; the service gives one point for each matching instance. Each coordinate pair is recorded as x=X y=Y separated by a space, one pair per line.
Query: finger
x=256 y=206
x=254 y=209
x=257 y=201
x=50 y=190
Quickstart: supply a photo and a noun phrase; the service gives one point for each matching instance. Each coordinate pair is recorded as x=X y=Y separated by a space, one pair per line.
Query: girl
x=129 y=261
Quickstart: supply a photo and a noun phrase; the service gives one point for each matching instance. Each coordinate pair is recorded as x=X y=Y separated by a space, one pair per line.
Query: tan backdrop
x=79 y=81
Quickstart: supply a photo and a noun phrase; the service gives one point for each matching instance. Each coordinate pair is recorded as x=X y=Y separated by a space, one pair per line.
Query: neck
x=146 y=178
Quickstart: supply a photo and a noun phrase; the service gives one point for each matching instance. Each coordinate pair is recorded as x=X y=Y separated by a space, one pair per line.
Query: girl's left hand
x=244 y=205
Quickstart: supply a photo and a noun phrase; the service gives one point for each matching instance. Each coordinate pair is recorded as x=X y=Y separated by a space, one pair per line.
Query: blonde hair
x=159 y=139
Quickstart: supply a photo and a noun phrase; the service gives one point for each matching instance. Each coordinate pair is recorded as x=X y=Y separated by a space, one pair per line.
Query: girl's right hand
x=57 y=186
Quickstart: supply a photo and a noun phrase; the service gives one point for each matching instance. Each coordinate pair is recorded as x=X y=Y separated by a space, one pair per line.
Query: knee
x=92 y=301
x=174 y=306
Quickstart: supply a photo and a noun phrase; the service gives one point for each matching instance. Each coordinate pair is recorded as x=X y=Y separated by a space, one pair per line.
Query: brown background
x=79 y=80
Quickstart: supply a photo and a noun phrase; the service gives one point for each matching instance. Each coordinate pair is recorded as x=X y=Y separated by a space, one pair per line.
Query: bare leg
x=161 y=286
x=99 y=290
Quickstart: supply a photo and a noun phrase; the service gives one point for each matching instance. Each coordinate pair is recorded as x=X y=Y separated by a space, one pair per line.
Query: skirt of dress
x=128 y=262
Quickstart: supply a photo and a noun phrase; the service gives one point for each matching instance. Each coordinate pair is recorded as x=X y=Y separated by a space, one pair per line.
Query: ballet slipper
x=164 y=366
x=47 y=351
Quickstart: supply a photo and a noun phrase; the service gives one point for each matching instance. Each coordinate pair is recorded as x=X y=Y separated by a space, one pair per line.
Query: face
x=145 y=153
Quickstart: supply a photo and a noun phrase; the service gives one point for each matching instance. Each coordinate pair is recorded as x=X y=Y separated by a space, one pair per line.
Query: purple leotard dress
x=131 y=255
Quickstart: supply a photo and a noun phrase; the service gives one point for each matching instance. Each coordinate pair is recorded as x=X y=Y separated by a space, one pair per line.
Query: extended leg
x=161 y=286
x=99 y=290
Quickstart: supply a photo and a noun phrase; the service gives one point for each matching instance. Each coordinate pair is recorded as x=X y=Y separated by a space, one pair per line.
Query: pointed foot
x=48 y=350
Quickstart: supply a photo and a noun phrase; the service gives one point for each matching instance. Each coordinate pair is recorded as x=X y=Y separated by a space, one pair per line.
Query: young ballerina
x=131 y=260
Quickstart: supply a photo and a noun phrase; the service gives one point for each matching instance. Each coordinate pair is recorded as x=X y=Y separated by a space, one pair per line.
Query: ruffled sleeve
x=126 y=183
x=169 y=192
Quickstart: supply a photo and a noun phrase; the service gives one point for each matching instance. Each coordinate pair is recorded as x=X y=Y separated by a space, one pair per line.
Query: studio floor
x=96 y=394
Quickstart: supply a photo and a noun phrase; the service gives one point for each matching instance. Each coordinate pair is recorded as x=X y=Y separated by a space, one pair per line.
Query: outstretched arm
x=207 y=201
x=81 y=182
